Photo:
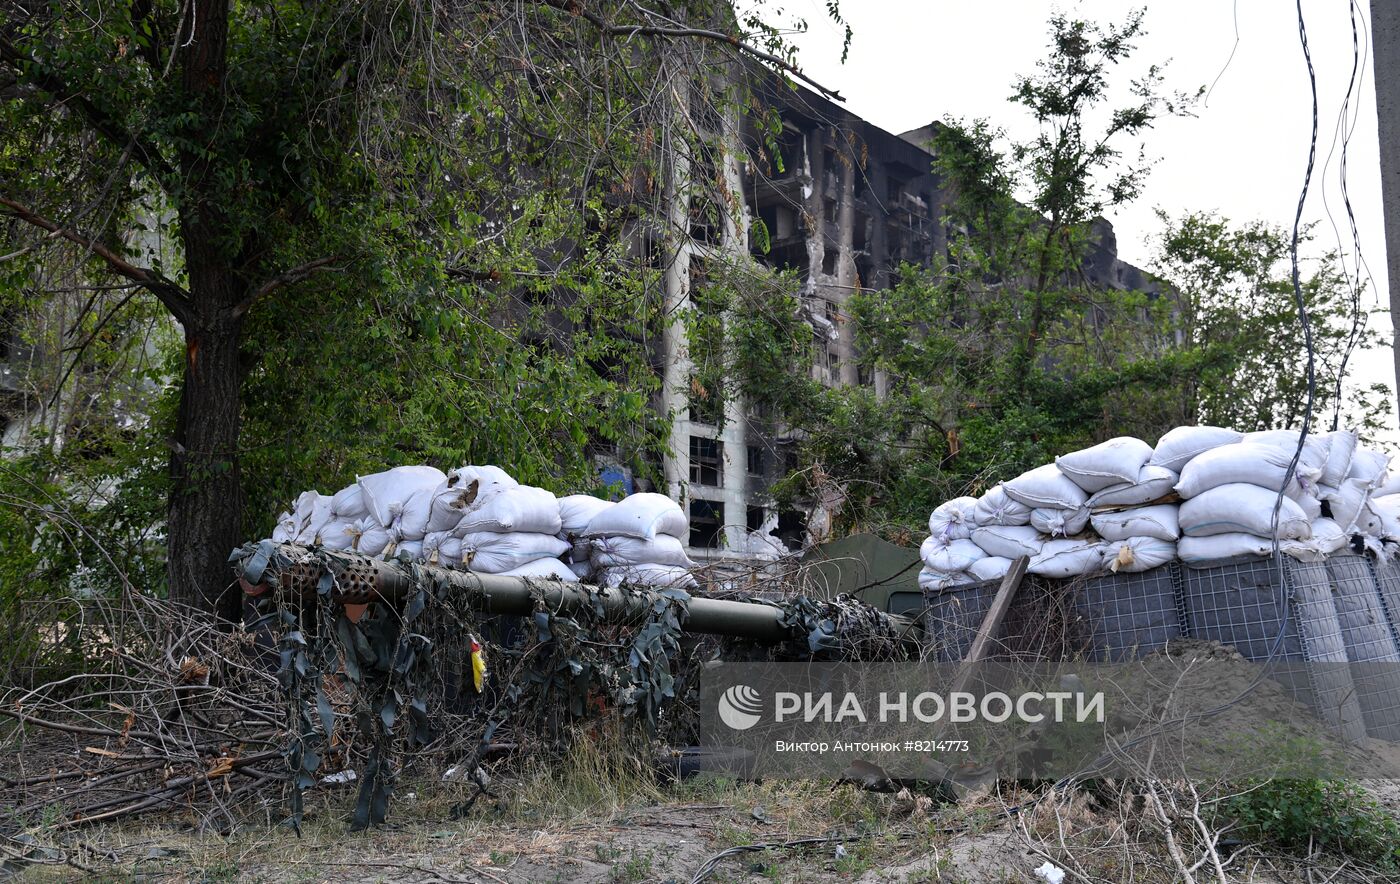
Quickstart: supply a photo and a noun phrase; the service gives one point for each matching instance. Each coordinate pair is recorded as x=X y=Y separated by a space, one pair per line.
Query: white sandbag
x=1178 y=447
x=386 y=493
x=1152 y=484
x=489 y=479
x=349 y=503
x=1345 y=502
x=1315 y=447
x=340 y=534
x=1387 y=503
x=1369 y=465
x=1327 y=538
x=493 y=552
x=369 y=538
x=1046 y=487
x=1205 y=550
x=414 y=518
x=1135 y=554
x=1106 y=464
x=997 y=508
x=285 y=531
x=954 y=519
x=1243 y=508
x=577 y=510
x=642 y=515
x=312 y=513
x=654 y=576
x=990 y=568
x=441 y=548
x=1341 y=445
x=1310 y=504
x=1262 y=465
x=954 y=555
x=582 y=570
x=544 y=569
x=1158 y=521
x=1059 y=523
x=523 y=509
x=450 y=500
x=1390 y=484
x=411 y=550
x=1067 y=558
x=619 y=552
x=1389 y=520
x=1369 y=521
x=1008 y=541
x=937 y=581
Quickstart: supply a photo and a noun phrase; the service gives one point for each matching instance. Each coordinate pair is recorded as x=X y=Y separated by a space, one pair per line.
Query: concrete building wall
x=847 y=204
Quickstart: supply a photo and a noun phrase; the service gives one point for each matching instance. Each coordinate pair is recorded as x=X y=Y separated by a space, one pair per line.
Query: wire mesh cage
x=1126 y=616
x=1370 y=643
x=1280 y=611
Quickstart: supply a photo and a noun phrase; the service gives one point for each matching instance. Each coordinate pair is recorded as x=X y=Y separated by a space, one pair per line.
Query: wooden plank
x=992 y=622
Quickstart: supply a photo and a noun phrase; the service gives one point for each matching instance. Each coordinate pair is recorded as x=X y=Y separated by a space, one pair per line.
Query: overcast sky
x=1243 y=154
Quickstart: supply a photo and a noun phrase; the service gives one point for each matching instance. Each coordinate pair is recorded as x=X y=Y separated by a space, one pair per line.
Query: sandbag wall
x=480 y=518
x=1332 y=627
x=1200 y=495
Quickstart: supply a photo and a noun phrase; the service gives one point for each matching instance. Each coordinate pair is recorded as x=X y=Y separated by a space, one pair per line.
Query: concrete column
x=676 y=251
x=1385 y=55
x=846 y=259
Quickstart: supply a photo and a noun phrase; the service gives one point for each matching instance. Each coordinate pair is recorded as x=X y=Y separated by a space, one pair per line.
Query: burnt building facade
x=842 y=204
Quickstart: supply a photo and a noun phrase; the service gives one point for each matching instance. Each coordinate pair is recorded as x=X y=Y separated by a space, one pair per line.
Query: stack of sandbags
x=949 y=555
x=638 y=541
x=1059 y=513
x=379 y=515
x=513 y=530
x=575 y=512
x=1230 y=494
x=1114 y=506
x=1137 y=520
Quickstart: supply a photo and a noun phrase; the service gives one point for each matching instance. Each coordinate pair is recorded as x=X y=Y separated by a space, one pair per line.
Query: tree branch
x=29 y=69
x=294 y=275
x=575 y=7
x=175 y=298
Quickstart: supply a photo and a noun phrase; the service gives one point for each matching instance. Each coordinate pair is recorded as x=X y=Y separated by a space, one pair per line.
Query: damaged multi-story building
x=846 y=206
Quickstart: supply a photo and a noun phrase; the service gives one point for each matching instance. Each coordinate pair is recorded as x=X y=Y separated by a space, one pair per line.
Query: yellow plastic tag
x=478 y=664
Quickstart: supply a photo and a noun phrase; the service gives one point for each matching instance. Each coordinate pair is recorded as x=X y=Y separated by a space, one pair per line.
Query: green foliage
x=1304 y=815
x=1238 y=315
x=1004 y=353
x=466 y=181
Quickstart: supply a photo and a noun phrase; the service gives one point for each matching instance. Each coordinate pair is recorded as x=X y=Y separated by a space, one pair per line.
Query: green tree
x=371 y=207
x=1237 y=313
x=1007 y=352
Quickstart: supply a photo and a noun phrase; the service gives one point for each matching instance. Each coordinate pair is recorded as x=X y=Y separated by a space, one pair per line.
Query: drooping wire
x=1346 y=126
x=1235 y=14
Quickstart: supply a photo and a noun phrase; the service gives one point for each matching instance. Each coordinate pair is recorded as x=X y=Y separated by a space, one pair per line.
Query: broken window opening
x=755 y=460
x=753 y=518
x=706 y=524
x=706 y=461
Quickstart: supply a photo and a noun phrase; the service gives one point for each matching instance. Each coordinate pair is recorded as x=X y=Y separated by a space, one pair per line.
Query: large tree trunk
x=206 y=496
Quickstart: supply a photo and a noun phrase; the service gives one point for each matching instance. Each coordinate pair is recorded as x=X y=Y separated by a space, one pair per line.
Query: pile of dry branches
x=159 y=709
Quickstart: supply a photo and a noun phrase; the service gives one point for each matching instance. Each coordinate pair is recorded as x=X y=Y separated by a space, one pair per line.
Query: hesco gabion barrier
x=1330 y=627
x=1287 y=614
x=1370 y=639
x=1126 y=616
